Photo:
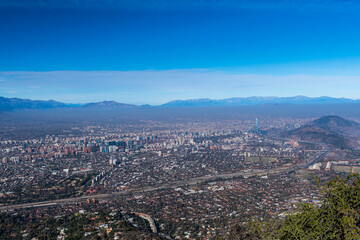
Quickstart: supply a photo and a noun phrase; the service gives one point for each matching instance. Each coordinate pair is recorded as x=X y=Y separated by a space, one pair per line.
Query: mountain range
x=259 y=101
x=107 y=104
x=8 y=104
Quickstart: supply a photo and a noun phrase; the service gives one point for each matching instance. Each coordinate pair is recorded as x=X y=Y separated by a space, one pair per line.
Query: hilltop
x=331 y=130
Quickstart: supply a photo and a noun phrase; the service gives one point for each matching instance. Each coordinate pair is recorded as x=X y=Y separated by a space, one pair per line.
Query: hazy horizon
x=155 y=88
x=186 y=99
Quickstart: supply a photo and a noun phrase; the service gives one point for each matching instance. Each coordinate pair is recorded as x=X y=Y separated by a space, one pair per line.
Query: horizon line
x=184 y=100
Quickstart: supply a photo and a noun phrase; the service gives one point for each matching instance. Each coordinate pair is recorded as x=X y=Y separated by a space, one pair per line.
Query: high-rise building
x=85 y=146
x=113 y=161
x=256 y=125
x=16 y=160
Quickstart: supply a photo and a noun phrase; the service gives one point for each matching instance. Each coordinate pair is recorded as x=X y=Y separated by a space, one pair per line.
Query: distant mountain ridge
x=331 y=130
x=258 y=101
x=8 y=104
x=107 y=104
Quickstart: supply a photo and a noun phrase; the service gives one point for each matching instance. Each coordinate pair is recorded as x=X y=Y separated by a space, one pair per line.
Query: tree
x=338 y=217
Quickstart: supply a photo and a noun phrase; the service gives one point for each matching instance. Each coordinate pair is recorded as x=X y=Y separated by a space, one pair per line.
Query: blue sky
x=155 y=51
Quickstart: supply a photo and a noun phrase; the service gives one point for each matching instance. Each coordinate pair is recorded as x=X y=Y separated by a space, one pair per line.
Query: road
x=192 y=181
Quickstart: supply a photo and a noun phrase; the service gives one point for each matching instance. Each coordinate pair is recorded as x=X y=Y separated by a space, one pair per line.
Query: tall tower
x=85 y=145
x=256 y=125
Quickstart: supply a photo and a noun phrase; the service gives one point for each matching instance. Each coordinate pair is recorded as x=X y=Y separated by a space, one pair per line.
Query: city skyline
x=179 y=119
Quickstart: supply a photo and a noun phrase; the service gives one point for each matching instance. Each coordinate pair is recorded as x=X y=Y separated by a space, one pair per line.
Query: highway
x=192 y=181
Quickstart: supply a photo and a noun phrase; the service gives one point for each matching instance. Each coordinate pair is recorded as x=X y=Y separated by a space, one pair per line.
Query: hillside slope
x=331 y=130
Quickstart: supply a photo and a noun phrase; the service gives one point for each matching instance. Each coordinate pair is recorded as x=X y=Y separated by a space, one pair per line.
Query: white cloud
x=10 y=92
